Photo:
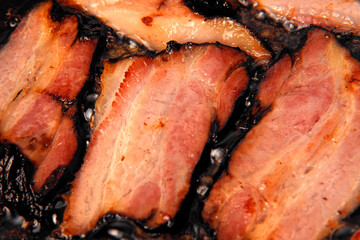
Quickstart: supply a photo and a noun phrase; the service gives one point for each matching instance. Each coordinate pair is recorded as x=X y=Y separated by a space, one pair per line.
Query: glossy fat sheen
x=296 y=173
x=338 y=15
x=151 y=133
x=42 y=61
x=154 y=23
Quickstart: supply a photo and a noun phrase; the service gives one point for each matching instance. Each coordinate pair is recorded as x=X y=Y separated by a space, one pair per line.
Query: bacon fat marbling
x=153 y=122
x=43 y=62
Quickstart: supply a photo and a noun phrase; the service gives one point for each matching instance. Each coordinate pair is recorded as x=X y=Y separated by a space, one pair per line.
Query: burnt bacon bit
x=339 y=16
x=272 y=34
x=118 y=46
x=171 y=22
x=23 y=215
x=42 y=63
x=308 y=102
x=351 y=42
x=211 y=9
x=147 y=21
x=277 y=38
x=151 y=164
x=11 y=14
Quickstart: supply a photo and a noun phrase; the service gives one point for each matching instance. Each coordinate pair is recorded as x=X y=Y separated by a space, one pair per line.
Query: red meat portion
x=156 y=22
x=296 y=173
x=42 y=61
x=153 y=122
x=338 y=15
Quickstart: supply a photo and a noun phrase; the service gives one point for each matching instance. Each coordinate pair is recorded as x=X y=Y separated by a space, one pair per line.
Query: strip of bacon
x=150 y=134
x=154 y=23
x=297 y=172
x=356 y=235
x=42 y=61
x=337 y=15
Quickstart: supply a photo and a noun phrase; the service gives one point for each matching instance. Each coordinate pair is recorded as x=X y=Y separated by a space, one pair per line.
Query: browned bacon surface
x=42 y=61
x=356 y=235
x=339 y=15
x=152 y=125
x=297 y=172
x=154 y=23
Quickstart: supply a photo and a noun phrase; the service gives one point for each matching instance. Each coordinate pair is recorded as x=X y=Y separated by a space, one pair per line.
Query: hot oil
x=11 y=13
x=26 y=214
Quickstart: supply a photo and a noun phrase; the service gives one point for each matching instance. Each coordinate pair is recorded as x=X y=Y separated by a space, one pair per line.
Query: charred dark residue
x=26 y=213
x=351 y=224
x=174 y=46
x=21 y=216
x=42 y=212
x=275 y=36
x=88 y=27
x=113 y=226
x=343 y=233
x=352 y=43
x=120 y=47
x=211 y=9
x=11 y=13
x=58 y=13
x=14 y=176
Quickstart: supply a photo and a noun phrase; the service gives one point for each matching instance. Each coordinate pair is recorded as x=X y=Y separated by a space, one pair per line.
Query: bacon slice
x=154 y=23
x=338 y=15
x=42 y=61
x=155 y=120
x=356 y=235
x=297 y=172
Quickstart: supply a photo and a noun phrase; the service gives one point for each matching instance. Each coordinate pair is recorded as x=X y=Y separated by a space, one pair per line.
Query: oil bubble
x=290 y=26
x=216 y=156
x=202 y=190
x=55 y=219
x=261 y=15
x=13 y=22
x=88 y=114
x=116 y=233
x=36 y=227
